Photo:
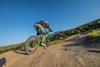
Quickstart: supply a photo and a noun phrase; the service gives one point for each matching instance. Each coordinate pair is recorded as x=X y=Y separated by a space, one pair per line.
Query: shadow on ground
x=95 y=51
x=20 y=52
x=74 y=44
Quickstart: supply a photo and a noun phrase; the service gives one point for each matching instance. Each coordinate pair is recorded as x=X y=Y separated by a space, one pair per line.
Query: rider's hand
x=51 y=31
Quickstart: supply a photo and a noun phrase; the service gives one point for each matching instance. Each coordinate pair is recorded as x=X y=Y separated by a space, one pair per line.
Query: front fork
x=40 y=40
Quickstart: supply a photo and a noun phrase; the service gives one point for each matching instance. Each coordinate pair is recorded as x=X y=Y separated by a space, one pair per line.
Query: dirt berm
x=67 y=54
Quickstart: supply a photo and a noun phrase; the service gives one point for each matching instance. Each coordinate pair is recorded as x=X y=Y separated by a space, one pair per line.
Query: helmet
x=43 y=21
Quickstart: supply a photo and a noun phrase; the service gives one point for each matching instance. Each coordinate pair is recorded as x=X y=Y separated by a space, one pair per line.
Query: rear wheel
x=30 y=44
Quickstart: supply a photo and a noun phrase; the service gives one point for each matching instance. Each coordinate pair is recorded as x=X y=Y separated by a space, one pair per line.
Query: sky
x=17 y=17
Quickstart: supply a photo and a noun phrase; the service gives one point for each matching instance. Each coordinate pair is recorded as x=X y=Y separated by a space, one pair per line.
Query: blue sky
x=17 y=17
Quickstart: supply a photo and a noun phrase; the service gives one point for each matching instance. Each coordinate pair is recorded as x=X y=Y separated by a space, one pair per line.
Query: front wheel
x=47 y=40
x=30 y=44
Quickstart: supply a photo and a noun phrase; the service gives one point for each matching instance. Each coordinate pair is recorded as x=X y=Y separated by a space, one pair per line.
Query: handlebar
x=47 y=31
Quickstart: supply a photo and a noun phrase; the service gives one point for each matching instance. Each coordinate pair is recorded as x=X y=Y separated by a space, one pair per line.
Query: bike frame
x=40 y=40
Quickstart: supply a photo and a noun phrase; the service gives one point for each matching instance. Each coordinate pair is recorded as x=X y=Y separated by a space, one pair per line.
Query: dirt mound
x=58 y=55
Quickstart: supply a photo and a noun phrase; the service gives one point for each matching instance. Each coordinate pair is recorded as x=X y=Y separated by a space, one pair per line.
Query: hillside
x=10 y=47
x=83 y=29
x=93 y=39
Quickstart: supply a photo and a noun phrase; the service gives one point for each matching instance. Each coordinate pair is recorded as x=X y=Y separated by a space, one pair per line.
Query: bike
x=33 y=42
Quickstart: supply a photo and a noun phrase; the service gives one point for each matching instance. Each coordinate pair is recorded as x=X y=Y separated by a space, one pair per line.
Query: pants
x=41 y=30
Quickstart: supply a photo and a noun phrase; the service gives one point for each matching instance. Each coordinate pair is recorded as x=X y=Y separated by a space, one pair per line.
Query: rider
x=40 y=29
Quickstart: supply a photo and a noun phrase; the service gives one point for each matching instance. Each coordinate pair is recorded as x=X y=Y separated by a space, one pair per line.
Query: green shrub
x=93 y=37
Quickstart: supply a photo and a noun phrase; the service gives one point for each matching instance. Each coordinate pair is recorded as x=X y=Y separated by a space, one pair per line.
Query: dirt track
x=67 y=54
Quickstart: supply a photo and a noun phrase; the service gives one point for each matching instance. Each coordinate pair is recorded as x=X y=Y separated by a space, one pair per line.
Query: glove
x=50 y=29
